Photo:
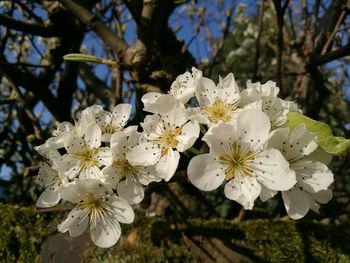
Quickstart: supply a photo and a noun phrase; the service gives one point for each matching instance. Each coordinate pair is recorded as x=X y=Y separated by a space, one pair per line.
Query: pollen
x=168 y=138
x=236 y=162
x=125 y=168
x=87 y=157
x=220 y=111
x=96 y=206
x=110 y=128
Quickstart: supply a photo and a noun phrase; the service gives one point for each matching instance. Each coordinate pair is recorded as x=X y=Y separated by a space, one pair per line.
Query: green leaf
x=82 y=58
x=326 y=140
x=88 y=58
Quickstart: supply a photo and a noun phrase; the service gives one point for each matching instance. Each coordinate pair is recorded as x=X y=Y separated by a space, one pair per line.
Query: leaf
x=326 y=140
x=78 y=57
x=82 y=58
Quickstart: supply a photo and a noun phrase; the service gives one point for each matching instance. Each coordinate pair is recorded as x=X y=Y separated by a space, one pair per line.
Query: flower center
x=110 y=128
x=125 y=168
x=87 y=157
x=220 y=111
x=96 y=206
x=236 y=162
x=168 y=139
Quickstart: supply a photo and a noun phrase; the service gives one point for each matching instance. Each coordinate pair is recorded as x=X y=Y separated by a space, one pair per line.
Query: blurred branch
x=96 y=85
x=332 y=55
x=28 y=28
x=91 y=20
x=280 y=11
x=257 y=43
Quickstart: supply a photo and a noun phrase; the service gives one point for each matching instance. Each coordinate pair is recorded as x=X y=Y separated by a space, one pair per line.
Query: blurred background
x=302 y=45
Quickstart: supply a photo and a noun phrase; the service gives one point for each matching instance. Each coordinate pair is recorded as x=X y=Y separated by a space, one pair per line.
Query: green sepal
x=329 y=143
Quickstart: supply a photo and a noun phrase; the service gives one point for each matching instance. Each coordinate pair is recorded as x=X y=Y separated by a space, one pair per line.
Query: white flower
x=84 y=155
x=275 y=108
x=51 y=180
x=182 y=90
x=108 y=122
x=217 y=104
x=164 y=136
x=313 y=177
x=238 y=154
x=127 y=178
x=97 y=207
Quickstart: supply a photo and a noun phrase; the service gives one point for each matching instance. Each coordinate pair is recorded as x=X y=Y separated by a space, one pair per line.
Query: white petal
x=205 y=92
x=220 y=138
x=146 y=154
x=93 y=135
x=312 y=176
x=104 y=156
x=76 y=222
x=50 y=197
x=164 y=103
x=227 y=89
x=272 y=170
x=266 y=193
x=124 y=212
x=188 y=136
x=205 y=172
x=296 y=203
x=323 y=196
x=121 y=114
x=150 y=98
x=253 y=127
x=244 y=190
x=69 y=166
x=148 y=174
x=91 y=172
x=176 y=117
x=303 y=140
x=105 y=232
x=131 y=191
x=320 y=155
x=77 y=190
x=112 y=176
x=74 y=144
x=196 y=114
x=167 y=165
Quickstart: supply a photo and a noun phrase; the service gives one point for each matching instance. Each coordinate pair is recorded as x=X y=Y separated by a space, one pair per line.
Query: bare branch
x=108 y=36
x=29 y=28
x=332 y=55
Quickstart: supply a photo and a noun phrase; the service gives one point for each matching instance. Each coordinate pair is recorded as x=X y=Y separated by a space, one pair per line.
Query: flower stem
x=203 y=130
x=194 y=151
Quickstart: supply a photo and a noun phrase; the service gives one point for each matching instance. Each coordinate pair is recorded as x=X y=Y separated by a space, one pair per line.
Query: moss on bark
x=22 y=232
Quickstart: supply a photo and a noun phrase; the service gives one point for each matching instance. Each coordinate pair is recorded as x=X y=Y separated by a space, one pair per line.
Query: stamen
x=125 y=168
x=220 y=111
x=168 y=138
x=87 y=157
x=236 y=162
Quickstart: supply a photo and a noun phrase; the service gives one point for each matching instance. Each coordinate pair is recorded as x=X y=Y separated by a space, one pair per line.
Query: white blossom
x=96 y=207
x=313 y=177
x=127 y=178
x=84 y=156
x=239 y=155
x=164 y=136
x=50 y=180
x=181 y=90
x=217 y=104
x=108 y=122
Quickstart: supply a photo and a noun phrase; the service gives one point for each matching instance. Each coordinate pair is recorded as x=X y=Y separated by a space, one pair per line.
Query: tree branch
x=29 y=28
x=332 y=55
x=108 y=36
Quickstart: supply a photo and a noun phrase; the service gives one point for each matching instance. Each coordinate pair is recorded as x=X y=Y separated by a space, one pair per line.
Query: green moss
x=157 y=240
x=22 y=232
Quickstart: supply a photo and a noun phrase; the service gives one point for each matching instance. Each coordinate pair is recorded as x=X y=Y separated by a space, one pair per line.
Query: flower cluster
x=102 y=167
